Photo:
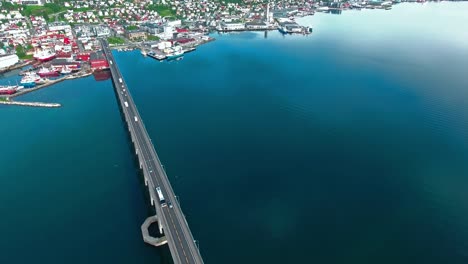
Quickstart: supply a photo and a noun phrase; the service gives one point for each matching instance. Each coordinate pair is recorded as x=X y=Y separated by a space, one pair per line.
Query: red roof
x=184 y=40
x=182 y=30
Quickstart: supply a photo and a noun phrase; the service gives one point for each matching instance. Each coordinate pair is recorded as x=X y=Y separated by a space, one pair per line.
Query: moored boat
x=66 y=70
x=175 y=52
x=31 y=79
x=47 y=72
x=44 y=55
x=28 y=81
x=8 y=89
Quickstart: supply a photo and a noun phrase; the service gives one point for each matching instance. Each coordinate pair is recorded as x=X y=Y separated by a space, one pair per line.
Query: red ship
x=44 y=55
x=46 y=72
x=8 y=89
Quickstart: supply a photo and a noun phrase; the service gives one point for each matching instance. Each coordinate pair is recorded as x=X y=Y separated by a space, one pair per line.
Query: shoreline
x=49 y=83
x=16 y=66
x=8 y=100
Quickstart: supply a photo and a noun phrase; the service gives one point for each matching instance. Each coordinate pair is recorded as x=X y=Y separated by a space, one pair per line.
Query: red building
x=98 y=61
x=102 y=75
x=83 y=56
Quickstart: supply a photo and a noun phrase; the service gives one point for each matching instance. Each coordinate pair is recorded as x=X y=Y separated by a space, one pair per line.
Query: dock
x=51 y=82
x=157 y=56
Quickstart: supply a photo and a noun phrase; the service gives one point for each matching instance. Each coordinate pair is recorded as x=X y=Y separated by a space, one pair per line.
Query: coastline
x=285 y=24
x=9 y=99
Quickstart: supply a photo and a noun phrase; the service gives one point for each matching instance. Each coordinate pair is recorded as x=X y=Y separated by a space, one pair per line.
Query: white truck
x=136 y=119
x=120 y=80
x=126 y=104
x=161 y=197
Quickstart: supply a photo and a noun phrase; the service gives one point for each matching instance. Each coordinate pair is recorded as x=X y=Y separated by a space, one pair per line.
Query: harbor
x=172 y=50
x=360 y=138
x=15 y=91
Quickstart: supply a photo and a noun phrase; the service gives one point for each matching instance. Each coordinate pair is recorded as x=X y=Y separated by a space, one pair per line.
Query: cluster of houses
x=13 y=29
x=107 y=11
x=138 y=20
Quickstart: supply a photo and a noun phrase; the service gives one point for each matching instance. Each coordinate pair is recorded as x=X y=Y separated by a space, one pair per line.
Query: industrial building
x=8 y=60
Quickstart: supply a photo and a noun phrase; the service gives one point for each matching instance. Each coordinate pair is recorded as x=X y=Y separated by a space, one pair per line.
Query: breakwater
x=32 y=104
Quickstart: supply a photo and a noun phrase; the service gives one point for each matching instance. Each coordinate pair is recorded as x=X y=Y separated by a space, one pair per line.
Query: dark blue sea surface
x=346 y=146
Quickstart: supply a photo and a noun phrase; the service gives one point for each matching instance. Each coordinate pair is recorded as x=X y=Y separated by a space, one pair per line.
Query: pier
x=77 y=75
x=171 y=221
x=33 y=104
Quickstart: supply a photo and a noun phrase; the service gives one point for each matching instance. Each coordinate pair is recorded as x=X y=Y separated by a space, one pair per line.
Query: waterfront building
x=229 y=26
x=256 y=25
x=8 y=60
x=98 y=61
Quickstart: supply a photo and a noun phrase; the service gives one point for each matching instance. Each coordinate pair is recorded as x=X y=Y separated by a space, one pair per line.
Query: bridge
x=171 y=220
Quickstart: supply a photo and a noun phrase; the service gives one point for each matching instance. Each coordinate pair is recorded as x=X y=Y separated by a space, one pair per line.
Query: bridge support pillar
x=152 y=201
x=146 y=236
x=146 y=181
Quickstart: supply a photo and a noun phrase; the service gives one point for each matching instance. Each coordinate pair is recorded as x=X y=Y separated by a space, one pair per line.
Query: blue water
x=346 y=146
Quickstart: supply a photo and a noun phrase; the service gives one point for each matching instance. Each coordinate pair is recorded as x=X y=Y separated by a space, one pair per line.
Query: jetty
x=32 y=104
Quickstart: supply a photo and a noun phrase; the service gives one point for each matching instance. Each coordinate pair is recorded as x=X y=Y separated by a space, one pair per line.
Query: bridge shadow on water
x=164 y=252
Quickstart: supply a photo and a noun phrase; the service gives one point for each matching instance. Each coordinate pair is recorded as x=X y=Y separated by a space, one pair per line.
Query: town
x=59 y=40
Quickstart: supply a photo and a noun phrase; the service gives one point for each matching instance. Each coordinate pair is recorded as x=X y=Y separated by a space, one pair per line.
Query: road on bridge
x=176 y=229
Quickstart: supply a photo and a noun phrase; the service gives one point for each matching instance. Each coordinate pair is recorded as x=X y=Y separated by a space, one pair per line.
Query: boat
x=173 y=53
x=28 y=81
x=44 y=55
x=46 y=72
x=65 y=70
x=25 y=72
x=31 y=79
x=8 y=89
x=41 y=80
x=283 y=30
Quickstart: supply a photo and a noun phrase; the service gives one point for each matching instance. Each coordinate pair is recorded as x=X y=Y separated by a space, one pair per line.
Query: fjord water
x=346 y=146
